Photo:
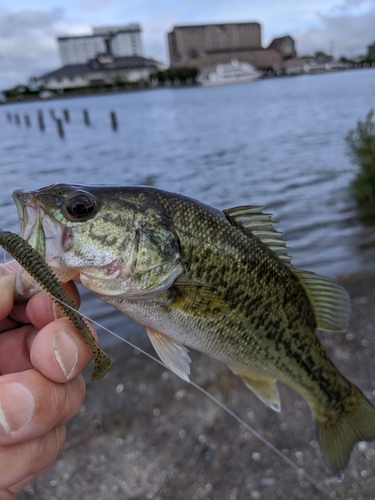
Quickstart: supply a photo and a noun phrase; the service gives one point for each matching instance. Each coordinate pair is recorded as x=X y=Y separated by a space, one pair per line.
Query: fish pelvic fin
x=337 y=437
x=173 y=354
x=265 y=388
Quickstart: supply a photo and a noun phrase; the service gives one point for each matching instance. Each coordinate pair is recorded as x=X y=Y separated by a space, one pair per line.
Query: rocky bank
x=144 y=434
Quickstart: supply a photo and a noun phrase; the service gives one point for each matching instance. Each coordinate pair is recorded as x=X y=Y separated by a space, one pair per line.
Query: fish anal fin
x=265 y=388
x=337 y=436
x=199 y=300
x=330 y=301
x=173 y=354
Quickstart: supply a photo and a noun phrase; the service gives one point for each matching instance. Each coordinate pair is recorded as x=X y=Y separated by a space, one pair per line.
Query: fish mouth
x=42 y=233
x=30 y=220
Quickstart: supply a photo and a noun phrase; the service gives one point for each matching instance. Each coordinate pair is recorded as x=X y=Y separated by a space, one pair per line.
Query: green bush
x=181 y=73
x=361 y=150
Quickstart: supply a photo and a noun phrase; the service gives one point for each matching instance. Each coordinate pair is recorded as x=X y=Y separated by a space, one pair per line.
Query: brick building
x=207 y=45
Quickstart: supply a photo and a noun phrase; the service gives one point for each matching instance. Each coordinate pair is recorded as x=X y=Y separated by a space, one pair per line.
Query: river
x=277 y=143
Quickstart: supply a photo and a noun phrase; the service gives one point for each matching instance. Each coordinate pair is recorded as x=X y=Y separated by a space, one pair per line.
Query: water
x=277 y=143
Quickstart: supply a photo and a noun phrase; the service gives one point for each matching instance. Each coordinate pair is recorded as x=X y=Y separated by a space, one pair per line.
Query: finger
x=41 y=309
x=32 y=405
x=15 y=348
x=7 y=277
x=59 y=352
x=6 y=295
x=9 y=267
x=6 y=495
x=29 y=459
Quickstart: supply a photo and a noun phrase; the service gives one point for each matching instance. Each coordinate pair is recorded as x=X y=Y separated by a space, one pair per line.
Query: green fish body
x=217 y=281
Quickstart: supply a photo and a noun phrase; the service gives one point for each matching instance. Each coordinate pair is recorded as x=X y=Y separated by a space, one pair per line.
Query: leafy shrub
x=181 y=74
x=361 y=150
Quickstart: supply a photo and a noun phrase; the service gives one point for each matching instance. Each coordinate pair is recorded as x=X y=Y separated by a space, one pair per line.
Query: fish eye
x=80 y=206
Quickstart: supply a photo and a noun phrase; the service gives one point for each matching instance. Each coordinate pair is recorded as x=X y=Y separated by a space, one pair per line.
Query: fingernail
x=17 y=406
x=66 y=351
x=55 y=310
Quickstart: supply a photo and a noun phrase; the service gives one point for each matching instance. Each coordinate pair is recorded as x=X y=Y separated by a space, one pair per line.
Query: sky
x=28 y=30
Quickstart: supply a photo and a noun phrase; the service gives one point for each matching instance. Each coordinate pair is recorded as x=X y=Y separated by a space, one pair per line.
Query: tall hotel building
x=119 y=41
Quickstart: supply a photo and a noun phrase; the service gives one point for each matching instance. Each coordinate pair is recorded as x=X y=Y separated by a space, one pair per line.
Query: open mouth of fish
x=42 y=233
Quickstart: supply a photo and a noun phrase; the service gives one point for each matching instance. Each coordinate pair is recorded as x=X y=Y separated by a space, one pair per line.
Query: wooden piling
x=17 y=118
x=60 y=128
x=41 y=120
x=66 y=115
x=52 y=114
x=9 y=117
x=113 y=120
x=86 y=118
x=27 y=120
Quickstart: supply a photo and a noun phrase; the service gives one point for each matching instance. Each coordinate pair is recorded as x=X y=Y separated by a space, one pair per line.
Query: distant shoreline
x=115 y=89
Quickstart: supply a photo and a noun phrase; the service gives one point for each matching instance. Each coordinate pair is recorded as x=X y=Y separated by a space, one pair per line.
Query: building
x=285 y=46
x=205 y=46
x=110 y=56
x=120 y=41
x=102 y=70
x=371 y=50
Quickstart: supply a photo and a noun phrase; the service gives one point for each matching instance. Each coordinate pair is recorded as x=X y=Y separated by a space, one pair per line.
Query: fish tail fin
x=338 y=436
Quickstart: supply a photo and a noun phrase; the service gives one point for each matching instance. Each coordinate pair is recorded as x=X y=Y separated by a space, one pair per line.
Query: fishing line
x=248 y=427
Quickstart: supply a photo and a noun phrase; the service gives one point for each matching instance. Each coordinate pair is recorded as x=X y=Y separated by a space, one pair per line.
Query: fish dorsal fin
x=251 y=220
x=330 y=301
x=265 y=388
x=174 y=355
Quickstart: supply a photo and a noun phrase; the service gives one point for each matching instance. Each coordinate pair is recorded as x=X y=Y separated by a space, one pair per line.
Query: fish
x=32 y=262
x=218 y=281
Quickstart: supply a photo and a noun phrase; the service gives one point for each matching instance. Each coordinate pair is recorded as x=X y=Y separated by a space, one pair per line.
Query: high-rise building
x=111 y=55
x=117 y=41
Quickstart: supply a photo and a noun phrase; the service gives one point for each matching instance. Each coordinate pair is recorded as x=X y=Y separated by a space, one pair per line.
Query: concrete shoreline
x=142 y=433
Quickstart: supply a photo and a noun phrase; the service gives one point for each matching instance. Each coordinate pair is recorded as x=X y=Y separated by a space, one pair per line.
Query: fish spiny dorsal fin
x=251 y=220
x=330 y=301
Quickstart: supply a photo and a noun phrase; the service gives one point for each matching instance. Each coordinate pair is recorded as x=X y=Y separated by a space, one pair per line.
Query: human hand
x=41 y=357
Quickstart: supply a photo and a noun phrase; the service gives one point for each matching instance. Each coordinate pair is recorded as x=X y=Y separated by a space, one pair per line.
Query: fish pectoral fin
x=266 y=390
x=173 y=354
x=199 y=300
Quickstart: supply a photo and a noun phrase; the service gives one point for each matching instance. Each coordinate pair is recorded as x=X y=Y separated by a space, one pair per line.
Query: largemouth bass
x=217 y=281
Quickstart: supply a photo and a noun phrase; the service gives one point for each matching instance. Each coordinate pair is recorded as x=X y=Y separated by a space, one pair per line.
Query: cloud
x=154 y=34
x=28 y=44
x=95 y=4
x=343 y=34
x=353 y=6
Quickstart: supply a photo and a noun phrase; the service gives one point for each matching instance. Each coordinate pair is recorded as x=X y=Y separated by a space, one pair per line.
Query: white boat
x=233 y=72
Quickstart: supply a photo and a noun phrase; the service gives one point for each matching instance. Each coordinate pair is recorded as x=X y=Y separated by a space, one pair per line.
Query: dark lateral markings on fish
x=217 y=281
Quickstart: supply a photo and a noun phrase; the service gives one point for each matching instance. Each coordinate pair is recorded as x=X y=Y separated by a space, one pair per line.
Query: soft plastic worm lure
x=34 y=264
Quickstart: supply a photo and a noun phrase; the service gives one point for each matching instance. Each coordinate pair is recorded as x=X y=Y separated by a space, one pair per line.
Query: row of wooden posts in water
x=15 y=118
